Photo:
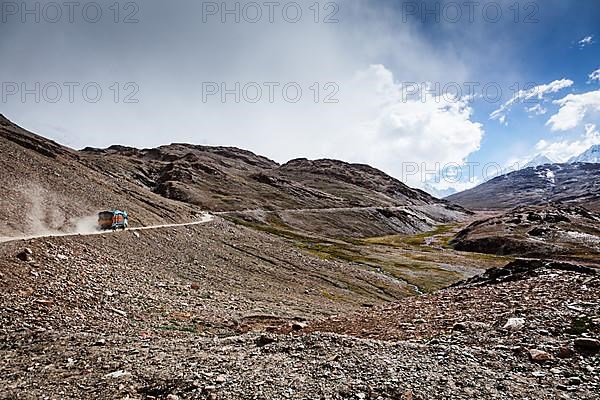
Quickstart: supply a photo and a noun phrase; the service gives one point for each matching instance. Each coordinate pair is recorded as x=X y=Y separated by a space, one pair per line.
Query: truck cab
x=114 y=220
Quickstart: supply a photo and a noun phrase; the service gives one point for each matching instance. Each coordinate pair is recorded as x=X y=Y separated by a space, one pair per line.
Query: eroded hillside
x=57 y=188
x=574 y=184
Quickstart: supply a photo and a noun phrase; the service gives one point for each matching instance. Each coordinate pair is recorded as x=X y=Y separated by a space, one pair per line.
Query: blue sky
x=366 y=56
x=552 y=40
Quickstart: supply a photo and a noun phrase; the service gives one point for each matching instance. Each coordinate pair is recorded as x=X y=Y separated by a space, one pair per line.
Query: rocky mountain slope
x=222 y=312
x=553 y=231
x=47 y=187
x=230 y=179
x=575 y=184
x=58 y=186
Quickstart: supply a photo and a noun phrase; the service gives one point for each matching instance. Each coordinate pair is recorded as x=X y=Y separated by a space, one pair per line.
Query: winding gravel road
x=206 y=217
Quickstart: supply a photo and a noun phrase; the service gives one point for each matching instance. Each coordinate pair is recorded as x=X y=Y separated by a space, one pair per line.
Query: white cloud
x=424 y=130
x=594 y=76
x=446 y=187
x=538 y=92
x=586 y=41
x=573 y=109
x=538 y=109
x=563 y=150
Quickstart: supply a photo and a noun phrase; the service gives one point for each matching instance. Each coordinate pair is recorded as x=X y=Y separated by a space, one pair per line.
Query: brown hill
x=327 y=197
x=574 y=184
x=49 y=187
x=52 y=187
x=230 y=179
x=553 y=231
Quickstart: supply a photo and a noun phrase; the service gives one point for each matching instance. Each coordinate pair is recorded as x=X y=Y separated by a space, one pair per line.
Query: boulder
x=514 y=324
x=539 y=355
x=587 y=344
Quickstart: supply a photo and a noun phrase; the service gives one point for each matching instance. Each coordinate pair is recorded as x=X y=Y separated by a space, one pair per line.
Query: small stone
x=566 y=388
x=195 y=286
x=470 y=326
x=574 y=381
x=459 y=326
x=514 y=324
x=565 y=352
x=556 y=371
x=119 y=312
x=298 y=326
x=587 y=344
x=25 y=255
x=117 y=374
x=221 y=379
x=264 y=340
x=137 y=235
x=539 y=355
x=172 y=397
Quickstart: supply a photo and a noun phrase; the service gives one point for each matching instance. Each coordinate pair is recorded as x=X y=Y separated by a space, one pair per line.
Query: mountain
x=58 y=186
x=591 y=155
x=553 y=231
x=439 y=193
x=230 y=179
x=538 y=161
x=576 y=184
x=47 y=187
x=207 y=310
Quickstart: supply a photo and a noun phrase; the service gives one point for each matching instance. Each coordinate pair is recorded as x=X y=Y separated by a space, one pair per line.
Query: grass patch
x=413 y=261
x=583 y=325
x=427 y=277
x=417 y=240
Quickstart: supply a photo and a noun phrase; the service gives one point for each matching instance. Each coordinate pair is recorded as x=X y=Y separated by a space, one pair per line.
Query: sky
x=439 y=94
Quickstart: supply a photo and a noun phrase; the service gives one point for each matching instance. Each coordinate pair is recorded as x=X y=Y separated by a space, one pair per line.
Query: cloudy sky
x=409 y=87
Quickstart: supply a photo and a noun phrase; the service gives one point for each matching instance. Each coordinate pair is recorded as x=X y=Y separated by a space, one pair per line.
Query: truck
x=114 y=220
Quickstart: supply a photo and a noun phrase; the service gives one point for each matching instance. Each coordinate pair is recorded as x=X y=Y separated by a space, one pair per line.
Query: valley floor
x=223 y=311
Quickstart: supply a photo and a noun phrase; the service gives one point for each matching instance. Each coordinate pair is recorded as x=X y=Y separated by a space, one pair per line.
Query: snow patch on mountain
x=591 y=155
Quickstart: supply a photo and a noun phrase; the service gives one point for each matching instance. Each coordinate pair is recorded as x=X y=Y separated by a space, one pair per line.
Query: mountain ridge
x=591 y=155
x=172 y=183
x=576 y=184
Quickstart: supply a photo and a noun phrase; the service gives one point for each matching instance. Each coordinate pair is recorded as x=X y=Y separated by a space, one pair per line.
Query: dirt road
x=206 y=217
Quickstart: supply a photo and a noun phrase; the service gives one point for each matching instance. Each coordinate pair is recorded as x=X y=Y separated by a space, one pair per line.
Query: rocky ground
x=219 y=311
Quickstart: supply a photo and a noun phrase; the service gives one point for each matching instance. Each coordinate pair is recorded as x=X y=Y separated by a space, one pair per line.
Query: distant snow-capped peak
x=591 y=155
x=538 y=160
